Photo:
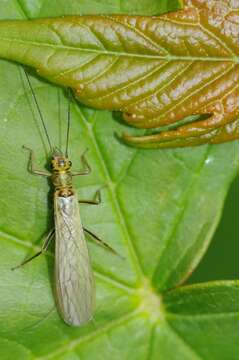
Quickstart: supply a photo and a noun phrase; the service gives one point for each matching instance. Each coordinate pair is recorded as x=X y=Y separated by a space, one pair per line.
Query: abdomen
x=73 y=273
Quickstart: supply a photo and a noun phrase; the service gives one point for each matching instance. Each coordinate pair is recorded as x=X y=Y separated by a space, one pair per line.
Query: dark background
x=222 y=258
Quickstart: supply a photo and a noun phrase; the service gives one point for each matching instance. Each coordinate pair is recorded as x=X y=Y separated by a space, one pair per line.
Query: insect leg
x=96 y=200
x=86 y=165
x=31 y=165
x=101 y=242
x=44 y=248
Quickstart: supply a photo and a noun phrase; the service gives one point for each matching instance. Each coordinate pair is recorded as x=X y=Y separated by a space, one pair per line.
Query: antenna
x=68 y=121
x=39 y=110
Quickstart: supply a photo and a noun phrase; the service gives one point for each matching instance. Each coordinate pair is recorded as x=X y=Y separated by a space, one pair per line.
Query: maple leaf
x=156 y=70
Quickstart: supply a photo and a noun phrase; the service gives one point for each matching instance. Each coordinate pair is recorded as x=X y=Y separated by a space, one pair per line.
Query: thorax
x=62 y=181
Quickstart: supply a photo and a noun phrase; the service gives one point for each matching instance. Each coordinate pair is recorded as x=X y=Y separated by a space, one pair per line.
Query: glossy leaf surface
x=159 y=210
x=156 y=70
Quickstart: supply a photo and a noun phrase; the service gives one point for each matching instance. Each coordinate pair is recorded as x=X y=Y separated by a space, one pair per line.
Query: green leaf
x=159 y=211
x=203 y=320
x=158 y=71
x=41 y=8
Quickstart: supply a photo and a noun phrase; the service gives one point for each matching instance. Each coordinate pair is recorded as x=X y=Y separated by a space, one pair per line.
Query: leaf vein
x=99 y=42
x=22 y=9
x=37 y=248
x=184 y=201
x=101 y=73
x=114 y=53
x=215 y=37
x=126 y=169
x=134 y=82
x=118 y=210
x=139 y=32
x=199 y=89
x=191 y=351
x=76 y=68
x=94 y=334
x=202 y=317
x=153 y=93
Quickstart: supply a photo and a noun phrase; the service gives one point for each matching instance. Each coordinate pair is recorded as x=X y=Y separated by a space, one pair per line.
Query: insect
x=73 y=273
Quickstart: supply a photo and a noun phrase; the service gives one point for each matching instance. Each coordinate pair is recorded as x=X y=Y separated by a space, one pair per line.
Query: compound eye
x=70 y=163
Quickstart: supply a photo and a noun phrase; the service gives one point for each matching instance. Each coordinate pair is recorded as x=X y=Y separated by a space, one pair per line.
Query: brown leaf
x=156 y=70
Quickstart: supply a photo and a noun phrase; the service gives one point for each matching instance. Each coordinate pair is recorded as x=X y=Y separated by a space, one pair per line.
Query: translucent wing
x=73 y=273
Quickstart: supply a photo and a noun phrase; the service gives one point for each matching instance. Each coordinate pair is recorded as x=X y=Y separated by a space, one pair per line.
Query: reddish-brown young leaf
x=208 y=86
x=156 y=70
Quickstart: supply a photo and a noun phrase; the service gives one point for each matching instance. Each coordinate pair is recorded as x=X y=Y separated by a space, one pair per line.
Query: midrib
x=234 y=59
